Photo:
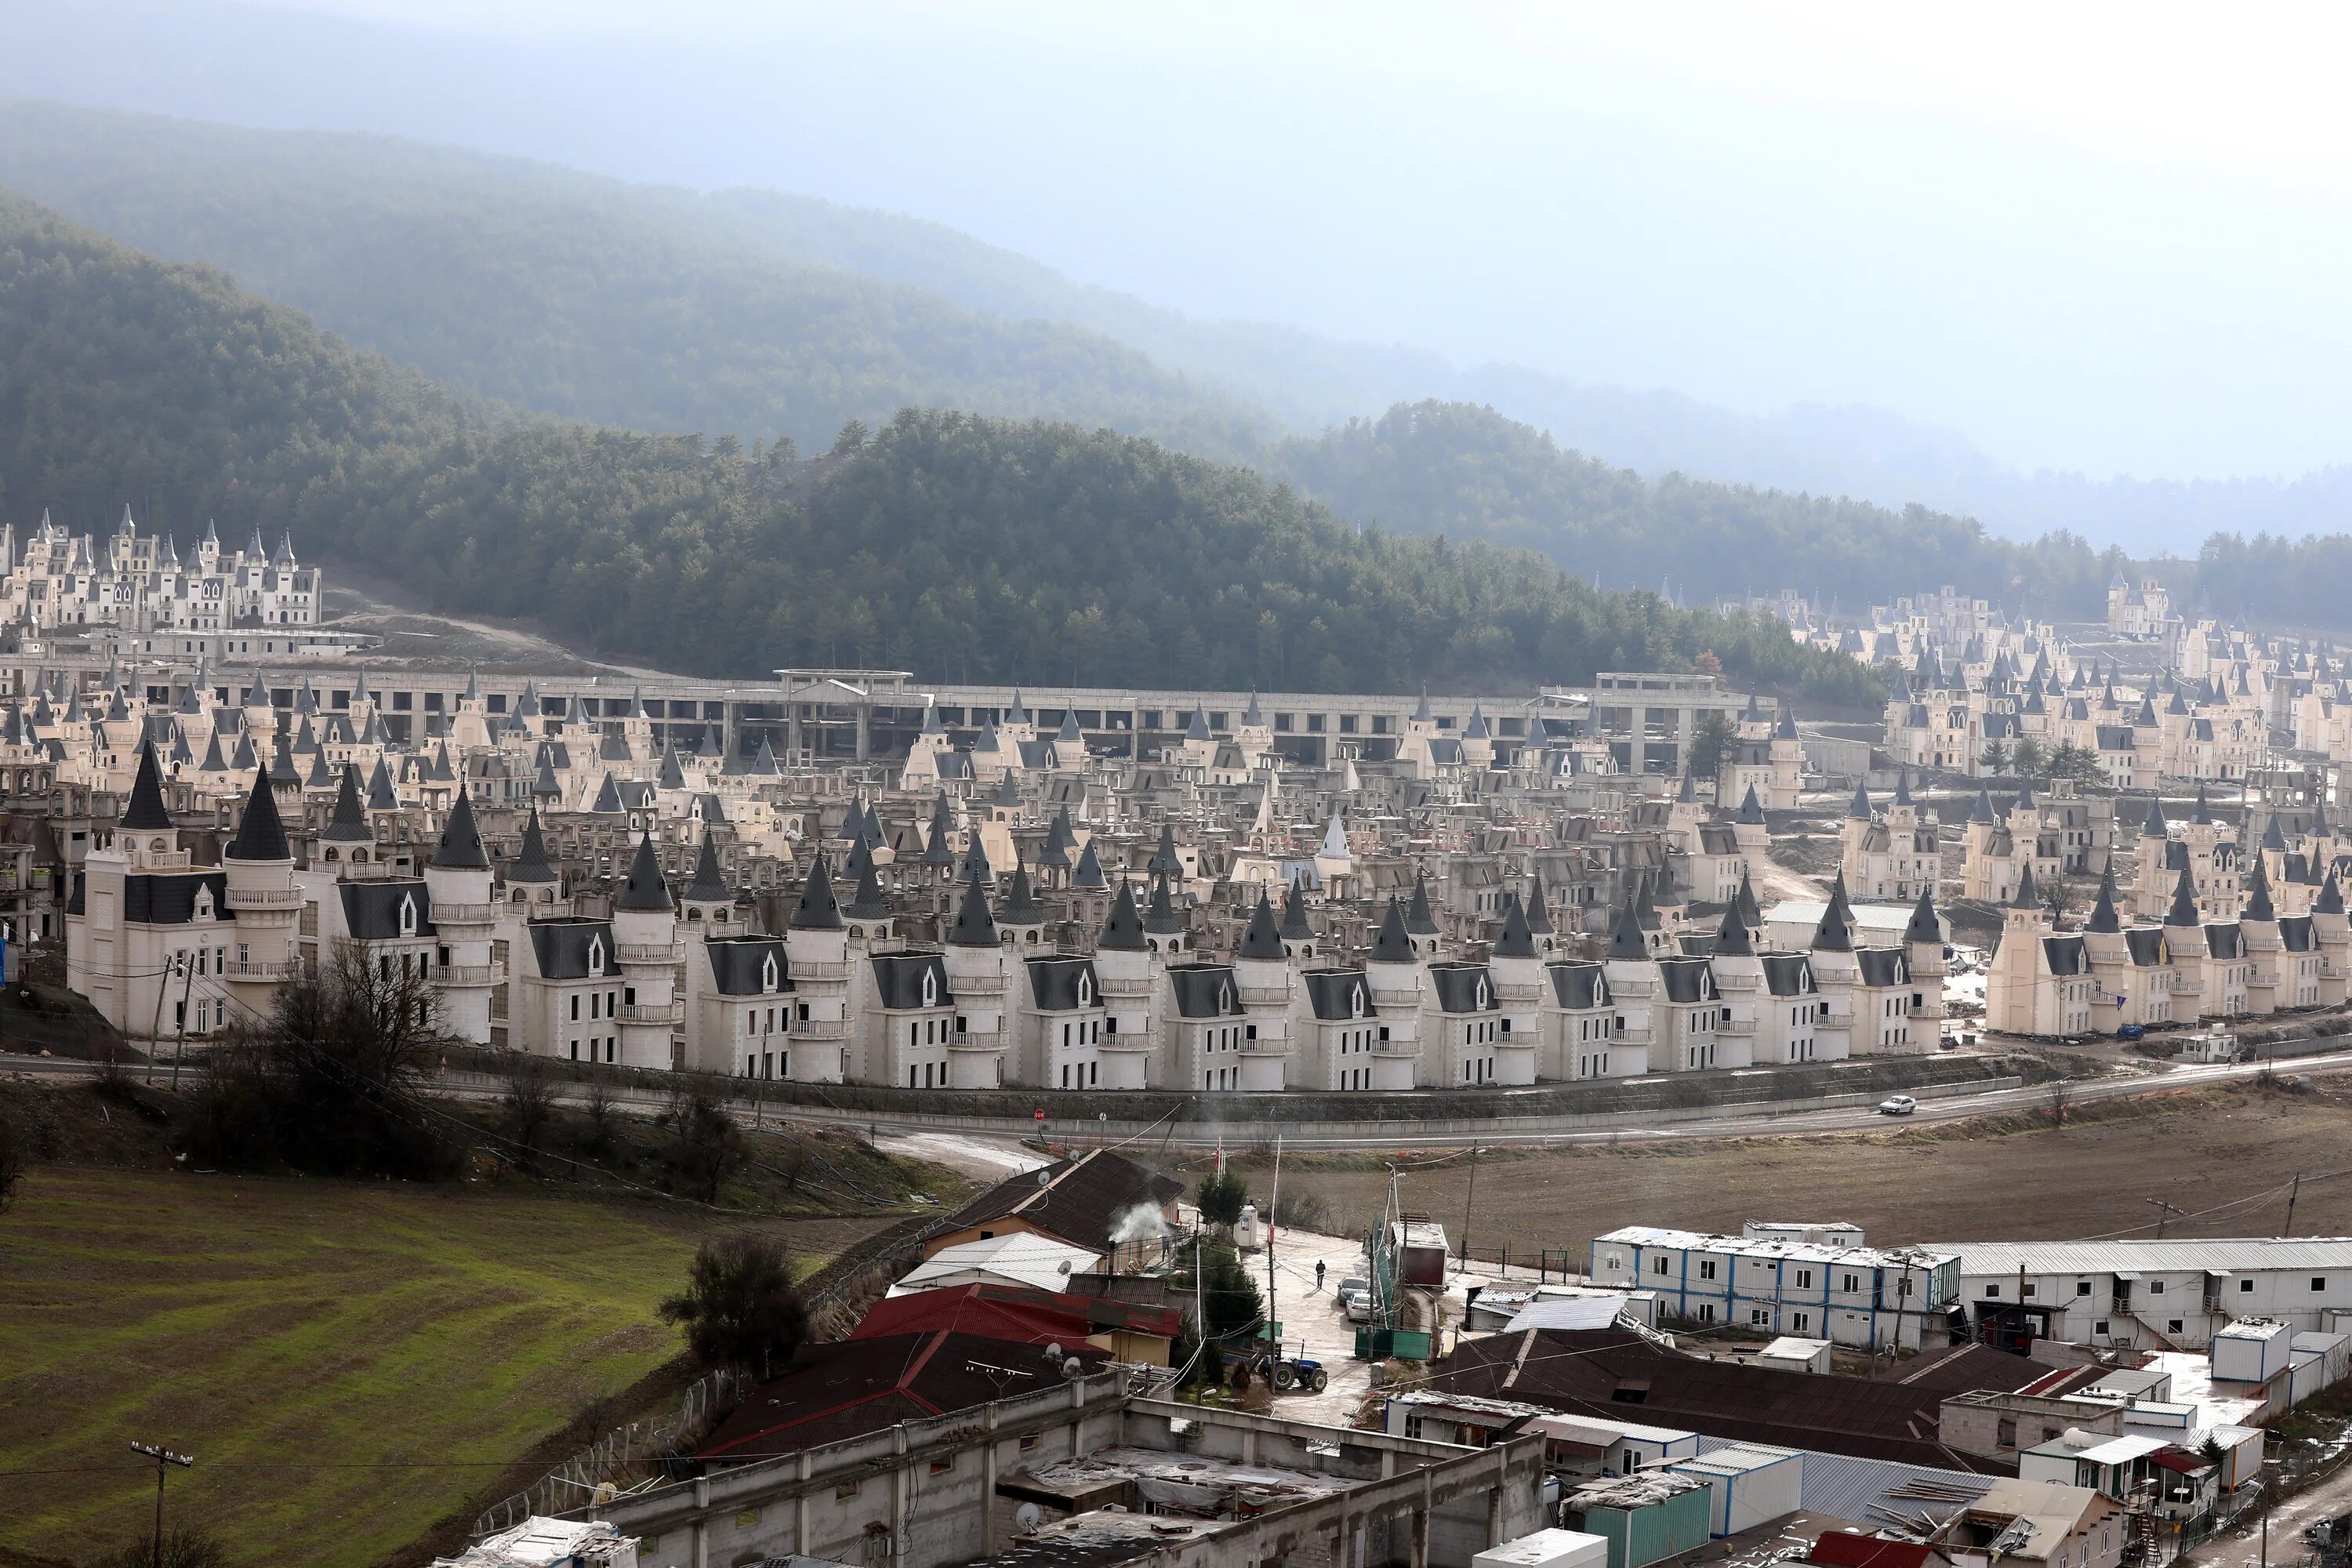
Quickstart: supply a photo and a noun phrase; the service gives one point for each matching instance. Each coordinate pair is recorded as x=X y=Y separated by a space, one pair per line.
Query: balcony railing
x=1396 y=1048
x=649 y=952
x=1124 y=985
x=820 y=1029
x=638 y=1013
x=1633 y=1034
x=1519 y=992
x=462 y=914
x=263 y=897
x=1262 y=996
x=286 y=969
x=1634 y=986
x=465 y=974
x=1736 y=980
x=979 y=985
x=819 y=968
x=1735 y=1026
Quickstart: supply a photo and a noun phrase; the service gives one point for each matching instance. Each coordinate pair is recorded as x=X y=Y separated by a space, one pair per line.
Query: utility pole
x=2164 y=1211
x=179 y=1044
x=1468 y=1199
x=155 y=1029
x=1273 y=1344
x=2292 y=1194
x=164 y=1458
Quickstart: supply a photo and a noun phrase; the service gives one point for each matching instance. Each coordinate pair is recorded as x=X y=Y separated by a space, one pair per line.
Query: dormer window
x=1356 y=1001
x=930 y=988
x=1086 y=991
x=768 y=977
x=408 y=915
x=595 y=955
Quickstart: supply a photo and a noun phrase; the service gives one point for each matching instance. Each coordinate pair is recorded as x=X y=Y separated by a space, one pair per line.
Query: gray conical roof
x=1536 y=908
x=1744 y=901
x=646 y=892
x=2025 y=897
x=347 y=824
x=975 y=867
x=1160 y=917
x=867 y=903
x=260 y=835
x=1417 y=919
x=1923 y=926
x=460 y=848
x=1294 y=926
x=2271 y=838
x=2331 y=898
x=2258 y=895
x=608 y=799
x=1263 y=938
x=2154 y=826
x=1835 y=932
x=1059 y=840
x=1390 y=944
x=1123 y=930
x=673 y=776
x=1089 y=873
x=975 y=926
x=2184 y=902
x=817 y=909
x=532 y=865
x=938 y=848
x=1859 y=810
x=1516 y=941
x=2104 y=919
x=381 y=795
x=1731 y=939
x=707 y=885
x=2203 y=814
x=1751 y=810
x=1021 y=907
x=213 y=763
x=145 y=812
x=1982 y=810
x=1163 y=859
x=1626 y=938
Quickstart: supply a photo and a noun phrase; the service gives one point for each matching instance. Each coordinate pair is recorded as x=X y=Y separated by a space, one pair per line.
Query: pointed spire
x=673 y=775
x=707 y=885
x=2104 y=917
x=2331 y=898
x=460 y=848
x=1059 y=840
x=2154 y=826
x=1625 y=939
x=975 y=926
x=1536 y=908
x=608 y=799
x=1089 y=873
x=1859 y=811
x=1420 y=714
x=1123 y=932
x=2025 y=897
x=1160 y=917
x=1982 y=810
x=347 y=823
x=1787 y=728
x=1021 y=907
x=1163 y=861
x=2203 y=816
x=2272 y=838
x=817 y=909
x=2184 y=902
x=145 y=812
x=260 y=835
x=532 y=865
x=1902 y=786
x=1390 y=944
x=1923 y=926
x=1688 y=794
x=938 y=846
x=1294 y=926
x=1418 y=919
x=867 y=903
x=2258 y=895
x=1516 y=941
x=1263 y=938
x=1751 y=810
x=1731 y=939
x=645 y=891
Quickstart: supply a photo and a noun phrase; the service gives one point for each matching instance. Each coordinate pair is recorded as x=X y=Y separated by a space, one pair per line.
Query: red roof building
x=1127 y=1332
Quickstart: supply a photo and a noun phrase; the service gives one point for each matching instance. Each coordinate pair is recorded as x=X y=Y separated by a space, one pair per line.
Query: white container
x=1752 y=1485
x=2252 y=1350
x=1547 y=1549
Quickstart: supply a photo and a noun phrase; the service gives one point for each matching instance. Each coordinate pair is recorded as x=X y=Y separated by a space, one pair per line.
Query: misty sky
x=2112 y=240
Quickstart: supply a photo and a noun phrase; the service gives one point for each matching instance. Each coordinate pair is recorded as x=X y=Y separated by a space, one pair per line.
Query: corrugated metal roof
x=2186 y=1255
x=1843 y=1487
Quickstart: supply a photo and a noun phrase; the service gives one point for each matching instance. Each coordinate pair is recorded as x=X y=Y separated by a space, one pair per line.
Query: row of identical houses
x=671 y=971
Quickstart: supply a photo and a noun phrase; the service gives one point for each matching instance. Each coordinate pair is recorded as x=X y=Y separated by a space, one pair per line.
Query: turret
x=458 y=878
x=644 y=940
x=258 y=865
x=977 y=968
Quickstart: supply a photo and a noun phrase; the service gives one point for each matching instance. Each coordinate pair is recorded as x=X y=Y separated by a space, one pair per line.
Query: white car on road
x=1897 y=1105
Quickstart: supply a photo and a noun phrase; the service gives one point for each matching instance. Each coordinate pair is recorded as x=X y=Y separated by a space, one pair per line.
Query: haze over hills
x=662 y=309
x=272 y=66
x=946 y=544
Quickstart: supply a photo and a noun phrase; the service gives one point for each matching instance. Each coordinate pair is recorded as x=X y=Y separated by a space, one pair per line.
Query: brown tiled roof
x=1608 y=1373
x=1079 y=1202
x=845 y=1390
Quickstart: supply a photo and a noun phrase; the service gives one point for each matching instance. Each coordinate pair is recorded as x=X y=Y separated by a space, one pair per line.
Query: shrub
x=740 y=1308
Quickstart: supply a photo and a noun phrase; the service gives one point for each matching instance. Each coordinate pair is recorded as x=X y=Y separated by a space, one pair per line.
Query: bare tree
x=526 y=1104
x=2060 y=1094
x=598 y=1109
x=12 y=1160
x=710 y=1144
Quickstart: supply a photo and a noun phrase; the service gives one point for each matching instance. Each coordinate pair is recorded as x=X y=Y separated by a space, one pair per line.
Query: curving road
x=980 y=1136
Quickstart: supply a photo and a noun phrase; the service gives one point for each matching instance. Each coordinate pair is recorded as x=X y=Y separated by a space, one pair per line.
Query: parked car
x=1897 y=1105
x=2131 y=1032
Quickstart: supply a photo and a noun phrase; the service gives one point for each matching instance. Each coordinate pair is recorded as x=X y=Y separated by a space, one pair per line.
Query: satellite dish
x=1073 y=1369
x=1053 y=1352
x=1064 y=1265
x=1026 y=1517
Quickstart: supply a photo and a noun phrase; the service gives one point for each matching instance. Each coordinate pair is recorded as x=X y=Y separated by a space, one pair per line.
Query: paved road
x=1745 y=1123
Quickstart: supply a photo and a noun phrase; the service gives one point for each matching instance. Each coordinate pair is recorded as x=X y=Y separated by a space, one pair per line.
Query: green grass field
x=279 y=1329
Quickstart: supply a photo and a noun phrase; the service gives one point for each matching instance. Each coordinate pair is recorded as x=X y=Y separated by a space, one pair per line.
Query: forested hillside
x=578 y=295
x=1468 y=473
x=946 y=544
